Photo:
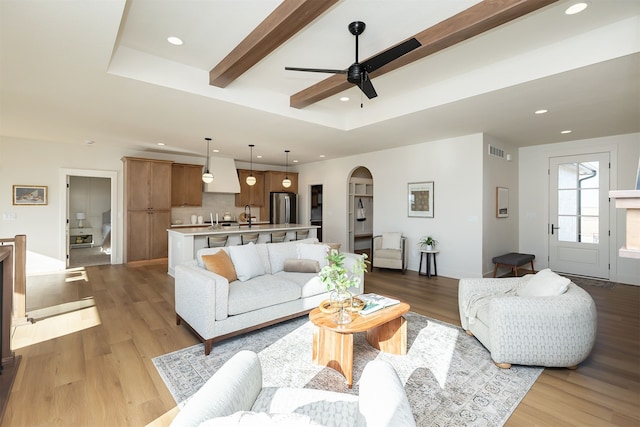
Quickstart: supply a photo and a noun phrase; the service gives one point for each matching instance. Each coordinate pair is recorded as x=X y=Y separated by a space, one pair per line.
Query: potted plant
x=428 y=243
x=339 y=279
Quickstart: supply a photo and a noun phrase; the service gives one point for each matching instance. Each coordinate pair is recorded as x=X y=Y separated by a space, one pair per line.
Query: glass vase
x=341 y=306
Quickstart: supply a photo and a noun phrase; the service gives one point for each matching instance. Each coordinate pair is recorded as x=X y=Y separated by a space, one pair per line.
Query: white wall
x=500 y=235
x=455 y=166
x=534 y=205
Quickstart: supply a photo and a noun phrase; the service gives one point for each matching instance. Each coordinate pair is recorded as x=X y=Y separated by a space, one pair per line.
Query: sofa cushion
x=309 y=283
x=544 y=283
x=208 y=251
x=259 y=292
x=246 y=261
x=391 y=240
x=254 y=419
x=301 y=265
x=279 y=252
x=316 y=252
x=221 y=264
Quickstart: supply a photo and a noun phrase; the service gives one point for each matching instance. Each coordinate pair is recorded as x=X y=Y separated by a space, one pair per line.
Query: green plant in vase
x=428 y=243
x=339 y=279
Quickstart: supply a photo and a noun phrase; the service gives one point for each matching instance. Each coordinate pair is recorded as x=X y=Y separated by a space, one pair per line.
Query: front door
x=579 y=215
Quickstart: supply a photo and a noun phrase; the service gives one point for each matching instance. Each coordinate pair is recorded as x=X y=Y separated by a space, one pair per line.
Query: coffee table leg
x=334 y=350
x=390 y=337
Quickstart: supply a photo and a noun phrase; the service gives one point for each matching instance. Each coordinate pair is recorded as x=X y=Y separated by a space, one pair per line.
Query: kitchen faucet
x=245 y=214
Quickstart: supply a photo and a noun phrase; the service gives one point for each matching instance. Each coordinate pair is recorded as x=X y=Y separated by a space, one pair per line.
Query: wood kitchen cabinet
x=273 y=182
x=250 y=195
x=186 y=185
x=147 y=199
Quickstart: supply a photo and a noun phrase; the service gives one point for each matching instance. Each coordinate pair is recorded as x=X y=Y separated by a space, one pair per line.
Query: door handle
x=554 y=228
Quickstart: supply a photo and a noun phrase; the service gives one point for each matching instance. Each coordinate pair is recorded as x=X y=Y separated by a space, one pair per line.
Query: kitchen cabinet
x=147 y=187
x=273 y=182
x=250 y=194
x=186 y=185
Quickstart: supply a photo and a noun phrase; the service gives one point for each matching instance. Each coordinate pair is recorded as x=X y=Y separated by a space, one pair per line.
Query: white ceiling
x=102 y=70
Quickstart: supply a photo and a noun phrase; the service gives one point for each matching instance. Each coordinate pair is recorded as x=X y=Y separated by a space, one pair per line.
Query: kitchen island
x=184 y=242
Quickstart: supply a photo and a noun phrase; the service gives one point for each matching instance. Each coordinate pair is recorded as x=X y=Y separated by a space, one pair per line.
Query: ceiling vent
x=496 y=152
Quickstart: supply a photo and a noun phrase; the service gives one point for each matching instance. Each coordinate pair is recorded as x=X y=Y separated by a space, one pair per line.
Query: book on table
x=375 y=302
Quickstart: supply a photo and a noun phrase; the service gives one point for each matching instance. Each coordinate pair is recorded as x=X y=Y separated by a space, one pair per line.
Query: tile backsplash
x=212 y=203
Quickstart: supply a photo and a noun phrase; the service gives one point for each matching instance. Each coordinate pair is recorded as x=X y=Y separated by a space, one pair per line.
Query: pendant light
x=207 y=177
x=251 y=180
x=286 y=182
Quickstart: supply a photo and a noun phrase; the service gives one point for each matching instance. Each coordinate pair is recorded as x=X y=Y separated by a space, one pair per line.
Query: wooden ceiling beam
x=286 y=20
x=469 y=23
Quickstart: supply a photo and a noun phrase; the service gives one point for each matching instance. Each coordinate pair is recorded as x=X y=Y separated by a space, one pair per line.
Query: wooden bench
x=512 y=260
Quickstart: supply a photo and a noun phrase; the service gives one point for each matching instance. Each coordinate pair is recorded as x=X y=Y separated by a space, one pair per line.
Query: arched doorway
x=360 y=216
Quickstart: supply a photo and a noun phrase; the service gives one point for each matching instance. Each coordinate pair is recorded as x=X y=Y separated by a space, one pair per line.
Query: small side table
x=429 y=254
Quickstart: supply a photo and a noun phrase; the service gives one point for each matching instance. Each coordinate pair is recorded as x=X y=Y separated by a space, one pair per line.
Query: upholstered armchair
x=529 y=320
x=389 y=250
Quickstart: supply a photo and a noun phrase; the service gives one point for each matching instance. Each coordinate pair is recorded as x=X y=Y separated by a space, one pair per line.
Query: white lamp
x=286 y=182
x=207 y=177
x=80 y=216
x=251 y=180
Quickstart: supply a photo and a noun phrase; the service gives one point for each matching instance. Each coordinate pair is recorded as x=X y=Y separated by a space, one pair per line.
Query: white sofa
x=526 y=321
x=234 y=396
x=264 y=294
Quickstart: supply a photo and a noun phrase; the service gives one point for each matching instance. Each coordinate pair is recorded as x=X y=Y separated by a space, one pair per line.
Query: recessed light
x=161 y=143
x=540 y=111
x=176 y=41
x=322 y=156
x=566 y=131
x=576 y=8
x=259 y=156
x=344 y=98
x=215 y=150
x=295 y=161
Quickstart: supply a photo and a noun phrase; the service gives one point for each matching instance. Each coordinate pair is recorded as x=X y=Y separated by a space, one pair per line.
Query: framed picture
x=30 y=195
x=420 y=199
x=502 y=202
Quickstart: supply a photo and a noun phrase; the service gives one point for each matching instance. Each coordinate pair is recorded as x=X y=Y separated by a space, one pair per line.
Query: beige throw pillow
x=301 y=265
x=221 y=264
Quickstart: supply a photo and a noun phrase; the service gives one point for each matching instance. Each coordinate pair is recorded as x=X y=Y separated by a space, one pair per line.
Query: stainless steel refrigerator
x=283 y=208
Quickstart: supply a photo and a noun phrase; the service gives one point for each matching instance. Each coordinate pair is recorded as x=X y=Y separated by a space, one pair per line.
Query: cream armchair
x=389 y=250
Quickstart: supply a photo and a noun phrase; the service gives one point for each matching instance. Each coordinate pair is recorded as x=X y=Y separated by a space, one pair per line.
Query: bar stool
x=248 y=238
x=302 y=234
x=278 y=236
x=217 y=241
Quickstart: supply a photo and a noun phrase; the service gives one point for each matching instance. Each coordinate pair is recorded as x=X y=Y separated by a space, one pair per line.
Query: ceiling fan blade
x=316 y=70
x=367 y=87
x=390 y=54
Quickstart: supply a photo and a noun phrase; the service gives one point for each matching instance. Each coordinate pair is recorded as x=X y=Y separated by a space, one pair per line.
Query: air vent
x=496 y=152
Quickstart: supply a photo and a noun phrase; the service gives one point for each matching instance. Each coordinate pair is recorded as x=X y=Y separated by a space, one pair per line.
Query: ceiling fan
x=358 y=73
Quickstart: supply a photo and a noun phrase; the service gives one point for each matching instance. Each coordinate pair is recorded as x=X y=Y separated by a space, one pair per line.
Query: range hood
x=225 y=176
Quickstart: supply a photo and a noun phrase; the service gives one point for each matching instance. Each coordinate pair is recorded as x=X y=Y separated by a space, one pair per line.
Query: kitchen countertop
x=264 y=227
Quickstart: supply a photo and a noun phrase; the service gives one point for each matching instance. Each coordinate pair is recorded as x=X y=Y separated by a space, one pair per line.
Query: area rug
x=449 y=377
x=590 y=281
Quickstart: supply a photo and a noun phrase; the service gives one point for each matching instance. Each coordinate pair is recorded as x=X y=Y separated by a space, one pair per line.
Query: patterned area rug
x=449 y=377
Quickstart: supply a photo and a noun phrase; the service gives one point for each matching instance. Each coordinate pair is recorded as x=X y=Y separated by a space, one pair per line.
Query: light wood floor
x=89 y=364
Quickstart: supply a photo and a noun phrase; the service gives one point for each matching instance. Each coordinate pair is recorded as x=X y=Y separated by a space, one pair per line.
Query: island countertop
x=260 y=228
x=184 y=242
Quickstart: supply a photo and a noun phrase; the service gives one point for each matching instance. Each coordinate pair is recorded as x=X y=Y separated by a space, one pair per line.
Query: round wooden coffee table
x=333 y=344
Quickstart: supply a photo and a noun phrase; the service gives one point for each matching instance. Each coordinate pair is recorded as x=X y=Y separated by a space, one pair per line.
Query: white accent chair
x=550 y=331
x=234 y=396
x=389 y=250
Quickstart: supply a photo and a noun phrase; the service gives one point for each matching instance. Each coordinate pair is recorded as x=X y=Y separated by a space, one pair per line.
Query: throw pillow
x=246 y=261
x=332 y=246
x=221 y=264
x=544 y=283
x=391 y=240
x=314 y=252
x=301 y=265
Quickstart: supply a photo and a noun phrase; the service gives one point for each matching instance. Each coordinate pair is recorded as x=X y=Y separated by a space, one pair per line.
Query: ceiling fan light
x=251 y=180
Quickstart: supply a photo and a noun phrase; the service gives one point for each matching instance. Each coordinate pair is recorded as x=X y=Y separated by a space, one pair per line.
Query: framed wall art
x=30 y=195
x=502 y=202
x=420 y=199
